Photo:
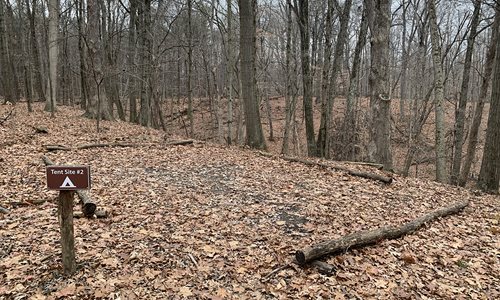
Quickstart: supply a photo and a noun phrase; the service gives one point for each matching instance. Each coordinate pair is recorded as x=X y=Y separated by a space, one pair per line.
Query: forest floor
x=205 y=221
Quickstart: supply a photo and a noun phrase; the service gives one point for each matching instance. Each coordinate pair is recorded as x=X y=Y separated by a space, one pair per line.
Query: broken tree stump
x=364 y=238
x=88 y=206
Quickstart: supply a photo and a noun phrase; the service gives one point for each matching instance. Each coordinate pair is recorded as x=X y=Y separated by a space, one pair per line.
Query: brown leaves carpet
x=210 y=222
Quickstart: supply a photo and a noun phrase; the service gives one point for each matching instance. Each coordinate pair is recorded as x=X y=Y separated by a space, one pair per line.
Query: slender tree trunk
x=438 y=94
x=254 y=134
x=464 y=91
x=322 y=148
x=145 y=16
x=350 y=116
x=50 y=105
x=230 y=61
x=190 y=69
x=84 y=85
x=132 y=89
x=302 y=12
x=325 y=76
x=478 y=112
x=379 y=148
x=404 y=65
x=34 y=50
x=288 y=92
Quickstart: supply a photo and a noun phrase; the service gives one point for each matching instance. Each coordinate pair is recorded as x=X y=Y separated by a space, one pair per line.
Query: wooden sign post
x=67 y=180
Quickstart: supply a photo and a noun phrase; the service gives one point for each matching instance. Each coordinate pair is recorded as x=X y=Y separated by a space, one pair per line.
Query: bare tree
x=464 y=91
x=301 y=9
x=478 y=112
x=438 y=94
x=50 y=104
x=379 y=147
x=255 y=136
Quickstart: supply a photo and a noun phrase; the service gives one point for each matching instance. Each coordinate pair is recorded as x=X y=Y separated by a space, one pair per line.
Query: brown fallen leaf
x=408 y=258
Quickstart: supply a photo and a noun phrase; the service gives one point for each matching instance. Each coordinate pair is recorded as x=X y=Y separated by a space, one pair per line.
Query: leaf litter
x=211 y=222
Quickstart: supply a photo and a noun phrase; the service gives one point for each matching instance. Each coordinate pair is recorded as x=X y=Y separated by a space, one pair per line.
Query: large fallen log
x=88 y=206
x=367 y=175
x=4 y=210
x=364 y=238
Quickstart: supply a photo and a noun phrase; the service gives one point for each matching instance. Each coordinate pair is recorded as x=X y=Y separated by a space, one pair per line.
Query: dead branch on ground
x=364 y=238
x=367 y=175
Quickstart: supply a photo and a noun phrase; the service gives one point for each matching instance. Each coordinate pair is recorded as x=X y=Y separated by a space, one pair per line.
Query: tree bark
x=379 y=147
x=37 y=69
x=438 y=94
x=322 y=147
x=50 y=104
x=254 y=134
x=489 y=175
x=464 y=91
x=302 y=12
x=364 y=238
x=478 y=112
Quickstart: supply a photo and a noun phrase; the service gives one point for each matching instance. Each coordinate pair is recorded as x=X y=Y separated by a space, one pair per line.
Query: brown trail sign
x=67 y=179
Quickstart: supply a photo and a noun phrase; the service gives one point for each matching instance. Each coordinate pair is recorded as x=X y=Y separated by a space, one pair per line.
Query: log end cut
x=300 y=257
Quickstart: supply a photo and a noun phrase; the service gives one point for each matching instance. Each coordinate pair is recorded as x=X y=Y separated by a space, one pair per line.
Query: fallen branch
x=56 y=148
x=180 y=143
x=4 y=119
x=89 y=146
x=323 y=267
x=367 y=175
x=364 y=238
x=88 y=206
x=363 y=163
x=4 y=210
x=268 y=276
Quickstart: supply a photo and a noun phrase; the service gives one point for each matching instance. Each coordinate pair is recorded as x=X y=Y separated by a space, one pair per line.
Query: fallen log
x=367 y=175
x=56 y=148
x=368 y=237
x=180 y=143
x=4 y=210
x=100 y=145
x=88 y=206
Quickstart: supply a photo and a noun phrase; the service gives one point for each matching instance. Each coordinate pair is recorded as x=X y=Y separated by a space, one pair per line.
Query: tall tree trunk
x=4 y=57
x=84 y=84
x=190 y=68
x=288 y=74
x=254 y=134
x=145 y=52
x=325 y=76
x=35 y=55
x=404 y=65
x=230 y=68
x=132 y=89
x=438 y=94
x=302 y=12
x=349 y=127
x=379 y=148
x=50 y=104
x=489 y=176
x=323 y=149
x=478 y=112
x=28 y=86
x=464 y=91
